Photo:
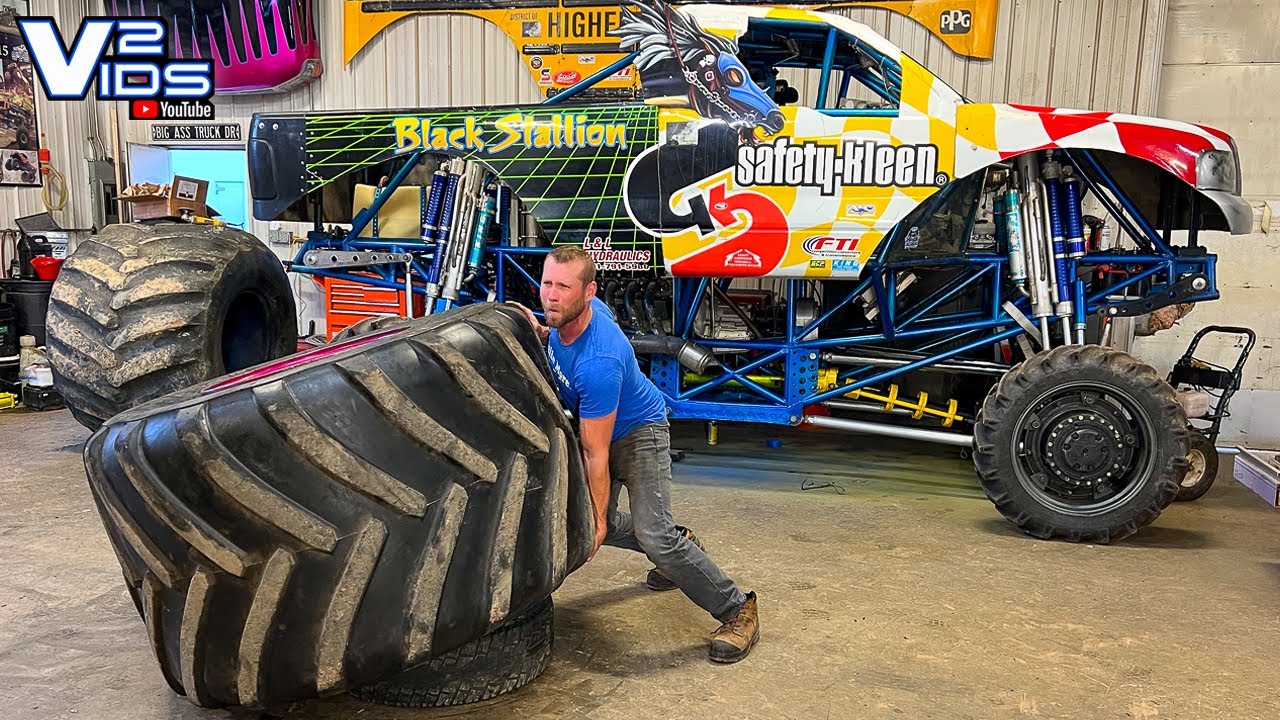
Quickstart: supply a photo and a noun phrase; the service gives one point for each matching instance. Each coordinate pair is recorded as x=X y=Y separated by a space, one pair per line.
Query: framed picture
x=19 y=131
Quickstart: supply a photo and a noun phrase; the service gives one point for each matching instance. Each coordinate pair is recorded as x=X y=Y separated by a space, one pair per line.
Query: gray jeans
x=642 y=462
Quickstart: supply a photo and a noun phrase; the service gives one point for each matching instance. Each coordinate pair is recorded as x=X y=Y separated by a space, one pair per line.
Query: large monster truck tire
x=327 y=521
x=507 y=659
x=140 y=311
x=1081 y=443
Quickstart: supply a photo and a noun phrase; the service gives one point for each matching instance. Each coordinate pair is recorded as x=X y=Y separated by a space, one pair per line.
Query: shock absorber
x=1013 y=234
x=442 y=236
x=1062 y=282
x=1033 y=227
x=1074 y=217
x=431 y=211
x=479 y=236
x=469 y=189
x=504 y=214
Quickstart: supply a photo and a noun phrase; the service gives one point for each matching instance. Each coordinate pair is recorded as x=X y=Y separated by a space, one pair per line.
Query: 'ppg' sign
x=956 y=22
x=137 y=69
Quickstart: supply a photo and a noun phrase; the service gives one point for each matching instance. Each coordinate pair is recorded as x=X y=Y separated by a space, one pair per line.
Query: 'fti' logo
x=125 y=59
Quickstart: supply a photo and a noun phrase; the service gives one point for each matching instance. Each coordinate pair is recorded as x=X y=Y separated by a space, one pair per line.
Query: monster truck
x=17 y=117
x=841 y=263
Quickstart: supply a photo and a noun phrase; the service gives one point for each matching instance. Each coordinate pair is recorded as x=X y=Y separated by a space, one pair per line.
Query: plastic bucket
x=30 y=298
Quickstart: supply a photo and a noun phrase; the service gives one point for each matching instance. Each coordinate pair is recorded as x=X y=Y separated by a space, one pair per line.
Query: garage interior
x=889 y=584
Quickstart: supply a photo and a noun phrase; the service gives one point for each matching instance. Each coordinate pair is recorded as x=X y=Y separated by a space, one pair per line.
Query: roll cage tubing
x=798 y=350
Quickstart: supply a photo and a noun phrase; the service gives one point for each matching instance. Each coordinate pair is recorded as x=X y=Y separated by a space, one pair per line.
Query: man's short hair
x=573 y=253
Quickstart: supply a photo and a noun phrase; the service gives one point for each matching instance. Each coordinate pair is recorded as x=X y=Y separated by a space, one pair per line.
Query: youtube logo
x=152 y=109
x=144 y=109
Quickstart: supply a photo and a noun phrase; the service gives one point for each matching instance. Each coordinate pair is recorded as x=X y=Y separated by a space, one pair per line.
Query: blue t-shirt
x=598 y=374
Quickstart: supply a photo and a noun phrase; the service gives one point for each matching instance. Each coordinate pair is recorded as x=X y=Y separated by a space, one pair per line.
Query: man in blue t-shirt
x=625 y=436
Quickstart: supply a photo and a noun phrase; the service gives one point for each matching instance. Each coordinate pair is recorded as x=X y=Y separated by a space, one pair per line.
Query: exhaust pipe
x=688 y=353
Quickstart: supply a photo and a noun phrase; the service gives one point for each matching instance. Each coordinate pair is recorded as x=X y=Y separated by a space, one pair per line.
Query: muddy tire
x=366 y=326
x=1202 y=468
x=330 y=520
x=140 y=311
x=504 y=660
x=1082 y=443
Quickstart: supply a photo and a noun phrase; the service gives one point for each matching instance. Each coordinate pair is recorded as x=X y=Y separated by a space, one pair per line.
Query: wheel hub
x=1195 y=468
x=1084 y=447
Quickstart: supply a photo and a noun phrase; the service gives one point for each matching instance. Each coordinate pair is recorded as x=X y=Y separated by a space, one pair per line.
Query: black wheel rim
x=247 y=333
x=1084 y=448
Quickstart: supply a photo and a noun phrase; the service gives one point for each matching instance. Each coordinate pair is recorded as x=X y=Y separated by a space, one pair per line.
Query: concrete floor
x=905 y=596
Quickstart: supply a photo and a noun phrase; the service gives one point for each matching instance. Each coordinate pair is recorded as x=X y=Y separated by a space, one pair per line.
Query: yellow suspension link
x=829 y=378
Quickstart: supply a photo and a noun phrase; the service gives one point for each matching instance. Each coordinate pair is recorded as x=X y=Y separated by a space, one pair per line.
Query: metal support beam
x=871 y=428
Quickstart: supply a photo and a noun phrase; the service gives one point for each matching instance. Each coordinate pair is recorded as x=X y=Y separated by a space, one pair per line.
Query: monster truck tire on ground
x=506 y=659
x=1082 y=443
x=1202 y=468
x=139 y=311
x=329 y=520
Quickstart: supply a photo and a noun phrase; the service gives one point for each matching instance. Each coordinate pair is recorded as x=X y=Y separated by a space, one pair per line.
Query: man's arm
x=599 y=382
x=596 y=434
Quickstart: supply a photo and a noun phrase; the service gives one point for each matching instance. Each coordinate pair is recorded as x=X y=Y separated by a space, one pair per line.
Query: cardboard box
x=149 y=201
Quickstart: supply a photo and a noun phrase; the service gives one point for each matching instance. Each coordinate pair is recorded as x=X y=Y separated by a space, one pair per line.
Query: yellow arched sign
x=563 y=41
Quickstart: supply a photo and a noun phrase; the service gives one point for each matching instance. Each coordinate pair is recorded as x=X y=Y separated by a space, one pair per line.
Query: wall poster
x=19 y=133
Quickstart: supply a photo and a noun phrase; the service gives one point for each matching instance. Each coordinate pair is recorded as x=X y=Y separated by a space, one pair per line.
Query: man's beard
x=567 y=315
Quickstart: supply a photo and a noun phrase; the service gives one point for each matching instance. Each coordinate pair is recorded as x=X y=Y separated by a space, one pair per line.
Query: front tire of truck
x=1081 y=443
x=140 y=311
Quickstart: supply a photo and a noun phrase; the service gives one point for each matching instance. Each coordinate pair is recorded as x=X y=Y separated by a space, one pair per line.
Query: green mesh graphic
x=576 y=192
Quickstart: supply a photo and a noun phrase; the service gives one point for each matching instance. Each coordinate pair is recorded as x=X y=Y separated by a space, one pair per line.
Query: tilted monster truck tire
x=1082 y=443
x=139 y=311
x=327 y=521
x=366 y=326
x=504 y=660
x=1202 y=468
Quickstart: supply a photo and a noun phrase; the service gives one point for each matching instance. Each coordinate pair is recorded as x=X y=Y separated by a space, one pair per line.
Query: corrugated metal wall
x=1091 y=54
x=1222 y=68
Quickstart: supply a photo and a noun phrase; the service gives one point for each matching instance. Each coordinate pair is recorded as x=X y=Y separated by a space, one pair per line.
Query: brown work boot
x=659 y=582
x=735 y=638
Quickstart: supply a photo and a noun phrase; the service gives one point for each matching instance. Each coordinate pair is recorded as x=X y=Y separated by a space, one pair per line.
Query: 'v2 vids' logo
x=138 y=69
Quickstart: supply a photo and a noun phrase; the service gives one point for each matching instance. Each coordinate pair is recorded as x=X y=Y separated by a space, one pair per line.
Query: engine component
x=530 y=236
x=868 y=298
x=688 y=353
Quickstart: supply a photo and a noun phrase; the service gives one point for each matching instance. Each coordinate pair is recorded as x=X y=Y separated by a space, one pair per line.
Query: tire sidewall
x=254 y=271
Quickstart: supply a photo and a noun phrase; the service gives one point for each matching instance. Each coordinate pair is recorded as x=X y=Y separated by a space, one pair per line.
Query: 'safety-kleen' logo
x=125 y=60
x=830 y=167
